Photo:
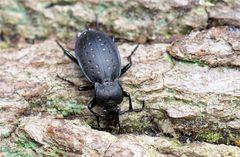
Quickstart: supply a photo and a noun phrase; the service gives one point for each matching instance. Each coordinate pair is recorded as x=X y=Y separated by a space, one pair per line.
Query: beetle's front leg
x=134 y=110
x=91 y=105
x=126 y=94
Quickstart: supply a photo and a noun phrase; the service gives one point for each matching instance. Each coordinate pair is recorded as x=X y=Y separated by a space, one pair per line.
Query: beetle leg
x=66 y=52
x=126 y=94
x=86 y=88
x=140 y=109
x=98 y=122
x=63 y=79
x=91 y=105
x=82 y=88
x=126 y=67
x=117 y=122
x=134 y=110
x=143 y=105
x=119 y=129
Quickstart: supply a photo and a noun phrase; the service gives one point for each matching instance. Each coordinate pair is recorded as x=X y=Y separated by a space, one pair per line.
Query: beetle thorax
x=108 y=93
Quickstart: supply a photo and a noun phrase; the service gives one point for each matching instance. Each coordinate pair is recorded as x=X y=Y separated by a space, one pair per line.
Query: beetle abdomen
x=97 y=56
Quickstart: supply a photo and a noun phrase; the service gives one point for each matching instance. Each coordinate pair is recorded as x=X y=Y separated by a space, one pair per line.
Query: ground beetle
x=99 y=60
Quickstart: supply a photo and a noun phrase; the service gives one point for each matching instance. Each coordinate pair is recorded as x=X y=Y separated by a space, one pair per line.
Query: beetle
x=99 y=60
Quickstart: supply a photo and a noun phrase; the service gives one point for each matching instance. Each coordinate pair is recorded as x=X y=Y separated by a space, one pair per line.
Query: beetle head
x=108 y=94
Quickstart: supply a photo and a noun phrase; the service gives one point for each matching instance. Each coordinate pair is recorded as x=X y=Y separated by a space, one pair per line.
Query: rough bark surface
x=192 y=99
x=88 y=142
x=218 y=46
x=191 y=87
x=140 y=20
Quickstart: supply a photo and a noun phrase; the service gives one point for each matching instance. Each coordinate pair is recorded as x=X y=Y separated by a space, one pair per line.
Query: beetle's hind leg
x=86 y=88
x=67 y=53
x=126 y=67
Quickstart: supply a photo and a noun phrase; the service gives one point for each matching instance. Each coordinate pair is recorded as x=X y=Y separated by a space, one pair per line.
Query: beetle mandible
x=99 y=60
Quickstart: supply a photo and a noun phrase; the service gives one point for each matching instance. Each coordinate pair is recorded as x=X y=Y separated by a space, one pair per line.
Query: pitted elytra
x=99 y=60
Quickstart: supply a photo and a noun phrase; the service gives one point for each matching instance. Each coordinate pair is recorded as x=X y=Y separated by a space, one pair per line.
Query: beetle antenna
x=134 y=49
x=130 y=56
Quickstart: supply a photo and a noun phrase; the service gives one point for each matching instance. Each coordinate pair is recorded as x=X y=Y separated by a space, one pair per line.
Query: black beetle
x=99 y=60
